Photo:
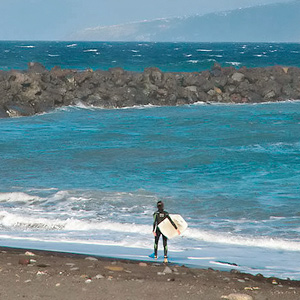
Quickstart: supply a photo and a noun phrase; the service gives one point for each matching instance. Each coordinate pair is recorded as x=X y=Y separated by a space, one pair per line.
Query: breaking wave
x=248 y=241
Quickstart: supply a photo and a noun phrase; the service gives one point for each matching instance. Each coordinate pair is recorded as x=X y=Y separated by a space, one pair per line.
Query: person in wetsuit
x=158 y=217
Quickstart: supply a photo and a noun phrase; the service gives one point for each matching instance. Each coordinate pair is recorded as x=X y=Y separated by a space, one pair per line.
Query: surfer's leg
x=165 y=242
x=158 y=233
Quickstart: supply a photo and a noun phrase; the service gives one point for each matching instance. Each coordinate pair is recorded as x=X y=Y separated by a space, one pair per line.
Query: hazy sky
x=56 y=19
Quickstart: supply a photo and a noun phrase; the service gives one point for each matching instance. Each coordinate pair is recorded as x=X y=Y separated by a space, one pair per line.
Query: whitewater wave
x=81 y=105
x=91 y=50
x=140 y=106
x=274 y=148
x=233 y=63
x=204 y=50
x=40 y=240
x=71 y=45
x=75 y=211
x=18 y=222
x=248 y=241
x=25 y=198
x=24 y=222
x=29 y=46
x=55 y=195
x=267 y=103
x=18 y=197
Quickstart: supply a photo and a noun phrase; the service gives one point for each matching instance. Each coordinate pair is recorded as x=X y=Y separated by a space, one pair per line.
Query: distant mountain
x=268 y=23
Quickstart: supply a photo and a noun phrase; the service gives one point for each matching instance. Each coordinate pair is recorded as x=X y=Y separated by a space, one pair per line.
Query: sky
x=56 y=19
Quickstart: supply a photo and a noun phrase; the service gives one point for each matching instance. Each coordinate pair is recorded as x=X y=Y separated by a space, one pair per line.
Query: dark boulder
x=216 y=70
x=19 y=109
x=3 y=113
x=36 y=67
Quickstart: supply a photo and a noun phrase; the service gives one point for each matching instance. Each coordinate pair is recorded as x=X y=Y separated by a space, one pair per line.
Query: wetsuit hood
x=160 y=206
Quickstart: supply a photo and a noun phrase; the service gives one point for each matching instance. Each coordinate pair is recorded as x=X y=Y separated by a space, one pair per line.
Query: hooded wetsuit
x=158 y=217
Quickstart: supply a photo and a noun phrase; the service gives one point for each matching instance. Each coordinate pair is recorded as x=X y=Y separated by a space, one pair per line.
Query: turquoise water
x=188 y=57
x=90 y=175
x=87 y=180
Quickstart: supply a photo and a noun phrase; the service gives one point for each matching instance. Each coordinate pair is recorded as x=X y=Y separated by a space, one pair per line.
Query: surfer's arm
x=154 y=223
x=172 y=222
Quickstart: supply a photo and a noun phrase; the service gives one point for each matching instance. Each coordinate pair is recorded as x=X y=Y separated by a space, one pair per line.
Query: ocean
x=86 y=180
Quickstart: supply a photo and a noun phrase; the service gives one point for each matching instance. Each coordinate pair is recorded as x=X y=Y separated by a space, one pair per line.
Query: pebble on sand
x=41 y=273
x=237 y=297
x=91 y=258
x=24 y=261
x=142 y=264
x=28 y=253
x=167 y=270
x=114 y=268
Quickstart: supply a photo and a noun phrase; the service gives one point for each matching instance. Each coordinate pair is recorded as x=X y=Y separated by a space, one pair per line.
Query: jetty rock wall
x=38 y=90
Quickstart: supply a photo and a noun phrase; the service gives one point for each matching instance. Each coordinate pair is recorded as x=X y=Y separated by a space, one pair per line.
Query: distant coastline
x=38 y=90
x=276 y=22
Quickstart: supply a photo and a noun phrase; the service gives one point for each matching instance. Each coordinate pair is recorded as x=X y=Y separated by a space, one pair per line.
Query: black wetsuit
x=158 y=217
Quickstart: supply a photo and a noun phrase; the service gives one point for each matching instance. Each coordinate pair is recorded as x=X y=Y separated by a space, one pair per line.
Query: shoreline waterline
x=255 y=260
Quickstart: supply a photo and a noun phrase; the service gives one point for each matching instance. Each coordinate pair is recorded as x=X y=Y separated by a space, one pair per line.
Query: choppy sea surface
x=188 y=57
x=87 y=179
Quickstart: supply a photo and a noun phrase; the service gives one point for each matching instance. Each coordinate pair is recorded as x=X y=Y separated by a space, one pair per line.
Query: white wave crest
x=71 y=45
x=90 y=50
x=140 y=106
x=280 y=147
x=17 y=197
x=248 y=241
x=22 y=222
x=234 y=63
x=29 y=46
x=204 y=50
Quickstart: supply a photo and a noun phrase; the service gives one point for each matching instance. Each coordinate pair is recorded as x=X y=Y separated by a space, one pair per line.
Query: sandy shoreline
x=54 y=275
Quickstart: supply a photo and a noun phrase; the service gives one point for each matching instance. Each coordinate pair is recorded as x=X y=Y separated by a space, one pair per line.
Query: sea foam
x=248 y=241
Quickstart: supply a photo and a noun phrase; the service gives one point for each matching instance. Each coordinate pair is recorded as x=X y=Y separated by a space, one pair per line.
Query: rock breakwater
x=37 y=90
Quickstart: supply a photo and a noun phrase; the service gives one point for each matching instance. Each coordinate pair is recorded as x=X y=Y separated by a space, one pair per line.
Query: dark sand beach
x=32 y=274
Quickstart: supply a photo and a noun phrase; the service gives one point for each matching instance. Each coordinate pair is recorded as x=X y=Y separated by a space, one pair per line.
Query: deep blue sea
x=87 y=180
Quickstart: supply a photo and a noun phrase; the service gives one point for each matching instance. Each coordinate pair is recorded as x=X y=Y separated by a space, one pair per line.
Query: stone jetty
x=37 y=89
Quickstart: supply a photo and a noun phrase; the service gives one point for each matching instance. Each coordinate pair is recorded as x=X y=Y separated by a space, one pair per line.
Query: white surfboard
x=168 y=230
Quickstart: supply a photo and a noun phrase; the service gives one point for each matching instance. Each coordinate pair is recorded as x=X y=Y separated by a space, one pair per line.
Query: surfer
x=158 y=217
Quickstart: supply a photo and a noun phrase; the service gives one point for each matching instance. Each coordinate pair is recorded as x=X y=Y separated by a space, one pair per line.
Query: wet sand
x=52 y=275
